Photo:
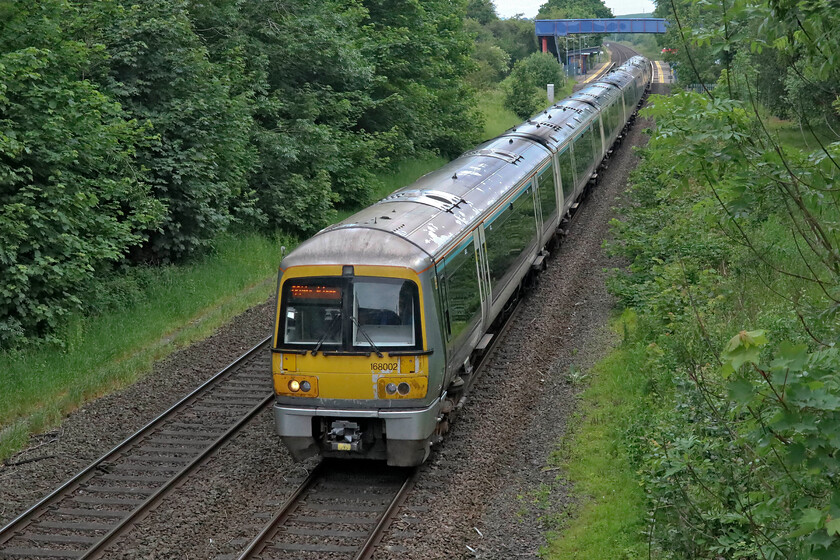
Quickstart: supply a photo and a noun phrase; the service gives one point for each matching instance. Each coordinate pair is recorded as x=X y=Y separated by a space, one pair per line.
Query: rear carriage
x=378 y=316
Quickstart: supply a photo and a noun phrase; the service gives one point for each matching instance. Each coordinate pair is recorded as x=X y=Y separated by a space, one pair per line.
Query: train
x=381 y=316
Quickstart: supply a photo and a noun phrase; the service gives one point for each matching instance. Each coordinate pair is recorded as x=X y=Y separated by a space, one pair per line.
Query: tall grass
x=497 y=118
x=791 y=134
x=176 y=305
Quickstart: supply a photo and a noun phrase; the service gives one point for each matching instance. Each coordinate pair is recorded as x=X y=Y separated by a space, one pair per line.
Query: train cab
x=351 y=358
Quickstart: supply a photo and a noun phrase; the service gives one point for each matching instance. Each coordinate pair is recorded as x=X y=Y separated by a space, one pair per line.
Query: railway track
x=86 y=514
x=339 y=511
x=622 y=53
x=619 y=54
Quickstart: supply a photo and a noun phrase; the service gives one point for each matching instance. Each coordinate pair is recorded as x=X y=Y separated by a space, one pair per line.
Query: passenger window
x=583 y=152
x=548 y=197
x=384 y=312
x=566 y=176
x=508 y=235
x=462 y=295
x=312 y=312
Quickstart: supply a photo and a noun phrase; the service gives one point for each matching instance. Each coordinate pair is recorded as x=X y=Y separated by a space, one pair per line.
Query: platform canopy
x=566 y=27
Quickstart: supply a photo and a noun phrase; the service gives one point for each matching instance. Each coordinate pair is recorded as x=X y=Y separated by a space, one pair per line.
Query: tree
x=515 y=36
x=482 y=11
x=421 y=54
x=198 y=157
x=573 y=9
x=73 y=197
x=733 y=226
x=525 y=87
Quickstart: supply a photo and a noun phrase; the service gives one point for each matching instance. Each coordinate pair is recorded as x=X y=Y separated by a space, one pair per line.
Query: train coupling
x=345 y=436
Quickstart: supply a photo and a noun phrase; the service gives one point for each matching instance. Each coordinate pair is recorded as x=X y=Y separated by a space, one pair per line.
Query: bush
x=525 y=87
x=198 y=155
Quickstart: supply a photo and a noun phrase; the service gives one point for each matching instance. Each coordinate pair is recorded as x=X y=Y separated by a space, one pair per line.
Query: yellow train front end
x=351 y=363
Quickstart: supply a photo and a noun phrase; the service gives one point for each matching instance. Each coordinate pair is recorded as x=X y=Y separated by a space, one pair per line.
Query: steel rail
x=22 y=521
x=298 y=498
x=385 y=521
x=138 y=513
x=283 y=513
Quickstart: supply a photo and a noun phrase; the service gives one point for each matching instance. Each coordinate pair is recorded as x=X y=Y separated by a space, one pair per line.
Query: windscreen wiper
x=365 y=334
x=326 y=335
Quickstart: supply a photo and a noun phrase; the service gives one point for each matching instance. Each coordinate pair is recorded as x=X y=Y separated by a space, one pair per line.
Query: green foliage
x=310 y=83
x=71 y=197
x=573 y=9
x=482 y=11
x=728 y=230
x=782 y=54
x=492 y=63
x=733 y=230
x=422 y=53
x=515 y=36
x=149 y=128
x=525 y=87
x=198 y=159
x=499 y=43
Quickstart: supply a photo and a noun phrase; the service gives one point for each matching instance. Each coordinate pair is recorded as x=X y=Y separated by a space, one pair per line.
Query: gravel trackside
x=96 y=428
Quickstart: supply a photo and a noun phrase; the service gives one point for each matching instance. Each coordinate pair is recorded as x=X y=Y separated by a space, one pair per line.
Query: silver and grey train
x=380 y=316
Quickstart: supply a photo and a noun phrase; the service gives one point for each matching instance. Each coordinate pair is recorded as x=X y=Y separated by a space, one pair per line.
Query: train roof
x=431 y=212
x=415 y=225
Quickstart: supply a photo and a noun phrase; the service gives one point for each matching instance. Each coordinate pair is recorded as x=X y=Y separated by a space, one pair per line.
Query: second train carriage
x=379 y=315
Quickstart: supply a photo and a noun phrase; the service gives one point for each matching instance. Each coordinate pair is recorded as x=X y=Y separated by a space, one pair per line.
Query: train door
x=558 y=184
x=536 y=188
x=483 y=274
x=603 y=144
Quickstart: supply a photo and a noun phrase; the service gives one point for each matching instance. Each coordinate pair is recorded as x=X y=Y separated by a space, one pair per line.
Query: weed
x=576 y=376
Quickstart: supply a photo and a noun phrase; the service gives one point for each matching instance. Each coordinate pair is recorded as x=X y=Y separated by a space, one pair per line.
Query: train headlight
x=414 y=387
x=296 y=385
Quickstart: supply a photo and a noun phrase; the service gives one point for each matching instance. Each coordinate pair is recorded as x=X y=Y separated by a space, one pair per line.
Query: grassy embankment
x=609 y=519
x=171 y=307
x=162 y=309
x=610 y=512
